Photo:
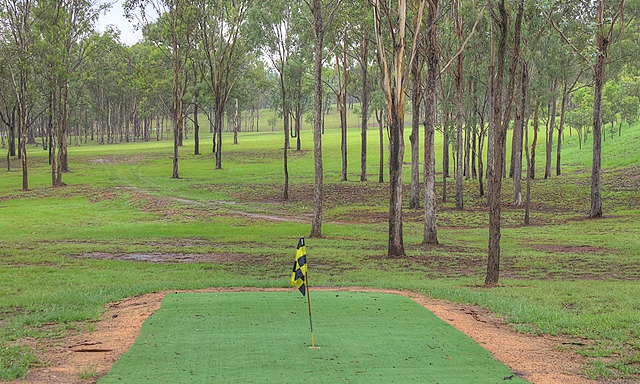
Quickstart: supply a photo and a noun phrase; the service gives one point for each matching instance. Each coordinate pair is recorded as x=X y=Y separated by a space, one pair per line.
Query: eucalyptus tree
x=109 y=87
x=276 y=35
x=64 y=28
x=379 y=108
x=259 y=87
x=301 y=92
x=173 y=34
x=222 y=31
x=395 y=64
x=18 y=26
x=342 y=47
x=151 y=77
x=417 y=94
x=501 y=122
x=8 y=108
x=362 y=31
x=8 y=100
x=589 y=29
x=319 y=22
x=459 y=27
x=432 y=55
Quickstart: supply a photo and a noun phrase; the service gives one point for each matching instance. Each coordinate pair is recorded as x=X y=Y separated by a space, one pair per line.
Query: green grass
x=264 y=337
x=66 y=252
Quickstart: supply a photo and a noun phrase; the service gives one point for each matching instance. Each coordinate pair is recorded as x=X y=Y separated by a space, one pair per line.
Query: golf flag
x=299 y=274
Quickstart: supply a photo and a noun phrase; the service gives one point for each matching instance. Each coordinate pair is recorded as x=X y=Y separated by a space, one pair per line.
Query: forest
x=472 y=71
x=438 y=109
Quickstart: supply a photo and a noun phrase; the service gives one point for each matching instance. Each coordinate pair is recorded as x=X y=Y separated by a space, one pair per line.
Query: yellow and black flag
x=299 y=274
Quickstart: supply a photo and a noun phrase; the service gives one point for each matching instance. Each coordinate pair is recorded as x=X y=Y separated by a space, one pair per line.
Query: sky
x=115 y=17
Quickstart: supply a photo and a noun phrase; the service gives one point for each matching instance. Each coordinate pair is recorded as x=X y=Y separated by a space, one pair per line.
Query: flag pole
x=313 y=345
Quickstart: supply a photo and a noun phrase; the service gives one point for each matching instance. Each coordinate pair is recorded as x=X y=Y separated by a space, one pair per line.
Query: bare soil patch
x=164 y=257
x=538 y=359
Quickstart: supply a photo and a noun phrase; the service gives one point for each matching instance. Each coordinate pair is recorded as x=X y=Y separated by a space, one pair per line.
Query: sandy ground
x=83 y=358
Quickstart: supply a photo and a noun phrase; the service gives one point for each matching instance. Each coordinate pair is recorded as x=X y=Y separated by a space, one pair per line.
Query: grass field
x=123 y=227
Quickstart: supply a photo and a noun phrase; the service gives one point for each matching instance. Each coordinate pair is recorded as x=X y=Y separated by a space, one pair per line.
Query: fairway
x=258 y=337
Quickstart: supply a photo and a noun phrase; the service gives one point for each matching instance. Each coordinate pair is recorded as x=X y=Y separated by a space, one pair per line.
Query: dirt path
x=86 y=357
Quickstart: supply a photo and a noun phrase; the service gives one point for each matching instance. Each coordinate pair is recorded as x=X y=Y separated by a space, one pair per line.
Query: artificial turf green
x=263 y=337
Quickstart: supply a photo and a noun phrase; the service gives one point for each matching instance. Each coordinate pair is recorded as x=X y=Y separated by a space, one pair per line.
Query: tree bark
x=459 y=113
x=396 y=154
x=459 y=136
x=217 y=135
x=343 y=75
x=414 y=195
x=430 y=235
x=598 y=77
x=518 y=133
x=380 y=118
x=493 y=260
x=534 y=143
x=394 y=85
x=236 y=124
x=526 y=148
x=495 y=172
x=196 y=125
x=551 y=130
x=319 y=28
x=563 y=109
x=364 y=66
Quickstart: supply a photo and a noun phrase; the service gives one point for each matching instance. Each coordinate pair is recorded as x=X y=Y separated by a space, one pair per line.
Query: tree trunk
x=459 y=111
x=298 y=124
x=196 y=125
x=364 y=66
x=527 y=203
x=319 y=28
x=474 y=148
x=480 y=163
x=396 y=154
x=285 y=130
x=176 y=141
x=342 y=103
x=61 y=133
x=445 y=155
x=22 y=92
x=518 y=133
x=495 y=171
x=430 y=235
x=598 y=77
x=236 y=124
x=491 y=119
x=551 y=130
x=534 y=144
x=394 y=82
x=459 y=122
x=414 y=195
x=380 y=118
x=467 y=149
x=219 y=122
x=493 y=260
x=563 y=109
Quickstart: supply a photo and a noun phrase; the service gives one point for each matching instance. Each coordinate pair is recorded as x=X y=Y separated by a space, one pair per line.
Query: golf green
x=263 y=337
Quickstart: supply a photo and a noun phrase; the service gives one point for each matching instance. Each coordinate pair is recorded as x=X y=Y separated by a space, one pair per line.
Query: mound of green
x=263 y=337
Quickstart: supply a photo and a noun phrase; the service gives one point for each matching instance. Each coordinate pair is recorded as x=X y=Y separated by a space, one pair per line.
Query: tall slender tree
x=173 y=34
x=319 y=24
x=394 y=82
x=582 y=20
x=430 y=235
x=501 y=122
x=19 y=19
x=222 y=33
